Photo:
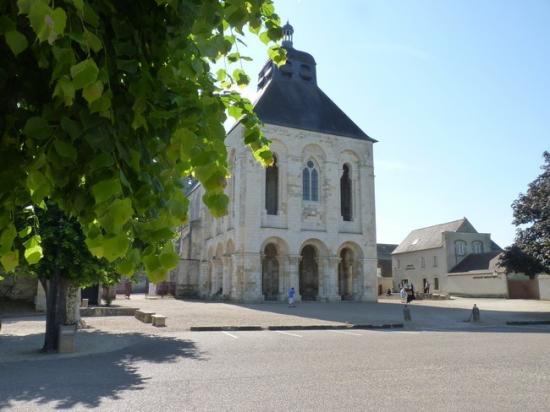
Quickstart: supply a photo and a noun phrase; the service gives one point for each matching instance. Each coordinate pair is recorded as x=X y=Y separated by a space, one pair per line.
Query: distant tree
x=532 y=244
x=106 y=105
x=514 y=260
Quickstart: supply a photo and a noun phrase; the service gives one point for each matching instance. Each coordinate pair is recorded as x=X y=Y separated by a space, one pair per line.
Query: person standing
x=291 y=295
x=403 y=294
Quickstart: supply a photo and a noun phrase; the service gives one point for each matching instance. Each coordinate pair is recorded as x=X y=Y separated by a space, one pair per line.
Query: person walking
x=291 y=295
x=403 y=294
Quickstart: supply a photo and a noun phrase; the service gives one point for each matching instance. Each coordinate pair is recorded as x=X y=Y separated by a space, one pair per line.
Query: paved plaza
x=436 y=362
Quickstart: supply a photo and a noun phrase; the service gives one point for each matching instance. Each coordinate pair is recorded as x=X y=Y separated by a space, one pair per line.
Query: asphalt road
x=489 y=370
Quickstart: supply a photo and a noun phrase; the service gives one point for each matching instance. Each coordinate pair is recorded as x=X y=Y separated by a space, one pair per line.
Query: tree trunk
x=56 y=310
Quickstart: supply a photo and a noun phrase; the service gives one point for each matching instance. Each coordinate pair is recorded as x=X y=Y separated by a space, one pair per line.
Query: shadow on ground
x=429 y=318
x=82 y=382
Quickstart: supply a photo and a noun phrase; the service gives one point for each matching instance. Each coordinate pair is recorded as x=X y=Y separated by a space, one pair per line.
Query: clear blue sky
x=456 y=92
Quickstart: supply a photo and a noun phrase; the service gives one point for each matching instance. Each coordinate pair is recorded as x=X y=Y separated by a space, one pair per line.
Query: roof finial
x=288 y=31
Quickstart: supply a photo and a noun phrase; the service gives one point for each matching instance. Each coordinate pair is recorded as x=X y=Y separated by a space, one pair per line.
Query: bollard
x=475 y=313
x=406 y=313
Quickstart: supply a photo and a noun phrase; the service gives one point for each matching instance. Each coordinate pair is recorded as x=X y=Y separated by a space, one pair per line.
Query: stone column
x=323 y=274
x=369 y=291
x=294 y=275
x=284 y=283
x=332 y=272
x=226 y=282
x=252 y=278
x=236 y=281
x=203 y=279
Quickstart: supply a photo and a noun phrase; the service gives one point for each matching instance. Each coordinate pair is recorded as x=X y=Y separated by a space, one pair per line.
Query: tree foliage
x=533 y=210
x=514 y=260
x=107 y=104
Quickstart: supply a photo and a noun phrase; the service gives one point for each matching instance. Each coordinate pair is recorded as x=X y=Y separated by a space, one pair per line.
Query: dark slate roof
x=385 y=268
x=474 y=262
x=430 y=237
x=290 y=97
x=384 y=250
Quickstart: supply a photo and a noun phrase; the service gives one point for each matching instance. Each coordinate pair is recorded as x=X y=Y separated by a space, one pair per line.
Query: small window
x=398 y=263
x=436 y=283
x=460 y=248
x=477 y=247
x=435 y=261
x=422 y=262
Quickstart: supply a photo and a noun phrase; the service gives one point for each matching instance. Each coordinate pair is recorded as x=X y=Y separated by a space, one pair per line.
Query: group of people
x=407 y=293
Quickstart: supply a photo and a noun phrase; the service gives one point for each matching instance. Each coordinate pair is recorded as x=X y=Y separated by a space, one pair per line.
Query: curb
x=528 y=322
x=223 y=328
x=107 y=311
x=293 y=327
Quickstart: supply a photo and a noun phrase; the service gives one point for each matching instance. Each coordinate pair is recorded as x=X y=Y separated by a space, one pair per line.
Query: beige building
x=427 y=255
x=307 y=221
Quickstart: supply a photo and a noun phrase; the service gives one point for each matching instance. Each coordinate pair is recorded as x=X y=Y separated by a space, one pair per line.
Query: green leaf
x=169 y=260
x=65 y=149
x=7 y=237
x=10 y=260
x=115 y=247
x=241 y=77
x=118 y=213
x=37 y=128
x=93 y=91
x=17 y=42
x=33 y=250
x=65 y=90
x=71 y=127
x=48 y=24
x=84 y=73
x=92 y=41
x=38 y=185
x=106 y=189
x=78 y=4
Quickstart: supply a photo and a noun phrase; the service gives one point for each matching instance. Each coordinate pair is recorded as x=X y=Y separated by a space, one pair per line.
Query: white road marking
x=288 y=333
x=229 y=334
x=345 y=332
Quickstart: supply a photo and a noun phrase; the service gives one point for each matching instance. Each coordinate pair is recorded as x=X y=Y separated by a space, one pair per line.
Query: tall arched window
x=272 y=188
x=310 y=182
x=345 y=195
x=460 y=249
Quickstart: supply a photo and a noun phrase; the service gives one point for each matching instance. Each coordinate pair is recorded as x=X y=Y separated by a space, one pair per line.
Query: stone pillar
x=294 y=275
x=236 y=278
x=252 y=278
x=284 y=279
x=227 y=273
x=369 y=291
x=204 y=287
x=332 y=272
x=322 y=295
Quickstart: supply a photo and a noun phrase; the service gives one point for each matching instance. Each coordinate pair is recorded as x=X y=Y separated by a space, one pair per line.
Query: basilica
x=307 y=221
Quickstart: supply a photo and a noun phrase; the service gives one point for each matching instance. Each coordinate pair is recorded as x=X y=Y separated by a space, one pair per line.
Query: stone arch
x=273 y=251
x=309 y=270
x=349 y=270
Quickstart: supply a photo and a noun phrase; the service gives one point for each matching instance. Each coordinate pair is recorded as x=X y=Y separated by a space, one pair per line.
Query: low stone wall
x=478 y=285
x=544 y=287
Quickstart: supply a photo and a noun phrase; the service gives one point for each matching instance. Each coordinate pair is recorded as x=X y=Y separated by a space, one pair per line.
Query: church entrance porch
x=270 y=273
x=309 y=273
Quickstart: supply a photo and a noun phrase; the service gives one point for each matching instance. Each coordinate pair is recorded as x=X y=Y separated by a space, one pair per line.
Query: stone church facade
x=307 y=221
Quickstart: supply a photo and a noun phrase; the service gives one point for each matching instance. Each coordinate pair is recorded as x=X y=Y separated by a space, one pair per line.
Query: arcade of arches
x=313 y=272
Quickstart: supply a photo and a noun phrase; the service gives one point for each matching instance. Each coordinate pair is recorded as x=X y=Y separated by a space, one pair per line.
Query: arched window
x=460 y=249
x=345 y=195
x=310 y=182
x=477 y=246
x=272 y=188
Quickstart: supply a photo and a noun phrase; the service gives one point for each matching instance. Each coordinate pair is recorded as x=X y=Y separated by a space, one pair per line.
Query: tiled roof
x=474 y=262
x=383 y=250
x=430 y=237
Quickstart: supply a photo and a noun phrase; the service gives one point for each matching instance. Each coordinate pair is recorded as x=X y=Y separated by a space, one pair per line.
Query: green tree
x=107 y=104
x=531 y=251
